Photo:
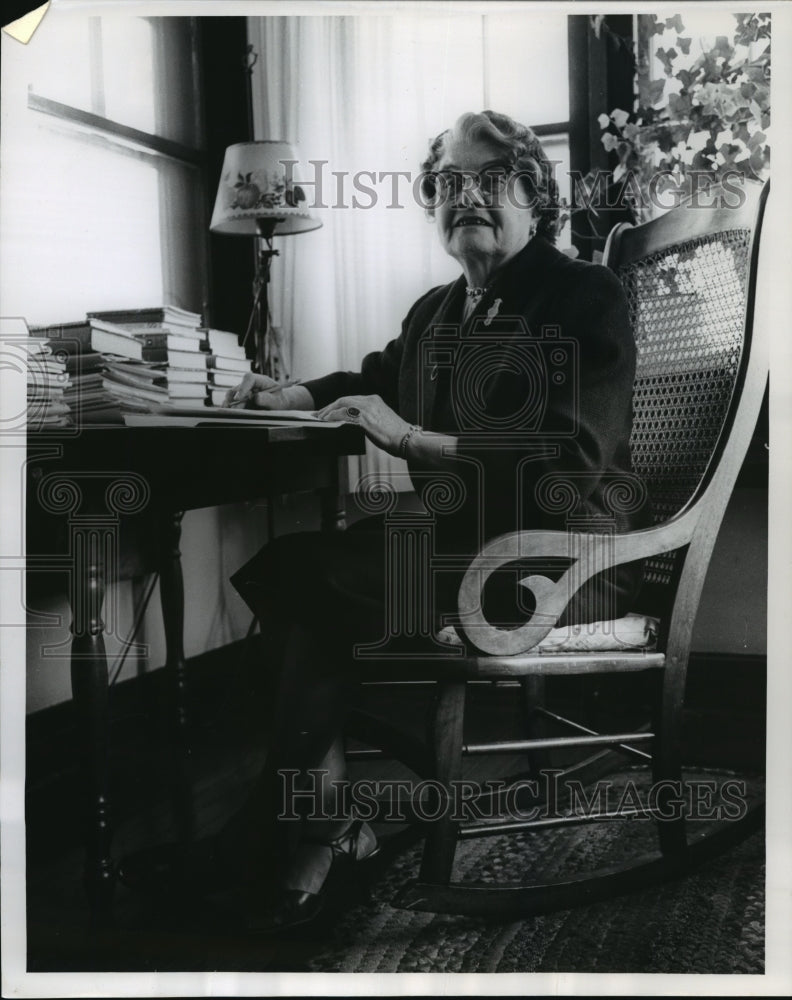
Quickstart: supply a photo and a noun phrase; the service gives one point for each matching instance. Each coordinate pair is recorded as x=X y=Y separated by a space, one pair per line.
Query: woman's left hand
x=382 y=424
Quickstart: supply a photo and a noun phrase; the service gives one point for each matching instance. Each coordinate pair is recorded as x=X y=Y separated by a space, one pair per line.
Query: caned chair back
x=689 y=278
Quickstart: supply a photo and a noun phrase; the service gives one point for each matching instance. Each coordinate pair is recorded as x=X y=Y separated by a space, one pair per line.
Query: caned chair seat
x=690 y=279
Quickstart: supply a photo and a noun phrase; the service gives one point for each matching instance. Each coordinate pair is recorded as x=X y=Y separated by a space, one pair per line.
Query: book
x=76 y=336
x=225 y=379
x=81 y=364
x=123 y=390
x=147 y=338
x=89 y=400
x=38 y=409
x=47 y=382
x=186 y=390
x=179 y=375
x=82 y=383
x=109 y=413
x=135 y=380
x=229 y=364
x=189 y=359
x=41 y=365
x=141 y=372
x=177 y=342
x=155 y=315
x=112 y=342
x=224 y=343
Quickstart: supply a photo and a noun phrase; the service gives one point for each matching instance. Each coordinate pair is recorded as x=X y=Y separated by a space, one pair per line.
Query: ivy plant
x=697 y=122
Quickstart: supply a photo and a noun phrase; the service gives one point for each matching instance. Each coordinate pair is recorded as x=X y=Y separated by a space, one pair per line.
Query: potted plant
x=705 y=119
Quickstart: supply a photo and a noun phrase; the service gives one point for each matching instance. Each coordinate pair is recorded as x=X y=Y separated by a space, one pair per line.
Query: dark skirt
x=359 y=587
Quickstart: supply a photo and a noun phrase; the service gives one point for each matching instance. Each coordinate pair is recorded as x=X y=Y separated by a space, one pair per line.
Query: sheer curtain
x=363 y=93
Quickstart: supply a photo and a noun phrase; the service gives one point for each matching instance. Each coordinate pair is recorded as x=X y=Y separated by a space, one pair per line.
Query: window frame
x=93 y=127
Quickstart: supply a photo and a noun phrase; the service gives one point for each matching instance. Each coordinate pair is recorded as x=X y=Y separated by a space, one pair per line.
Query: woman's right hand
x=257 y=392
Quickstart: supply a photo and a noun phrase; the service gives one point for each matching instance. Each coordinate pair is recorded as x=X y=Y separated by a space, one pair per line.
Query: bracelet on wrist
x=406 y=440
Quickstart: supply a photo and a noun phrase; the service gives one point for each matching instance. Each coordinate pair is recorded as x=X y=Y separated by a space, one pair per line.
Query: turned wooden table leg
x=90 y=697
x=172 y=600
x=333 y=506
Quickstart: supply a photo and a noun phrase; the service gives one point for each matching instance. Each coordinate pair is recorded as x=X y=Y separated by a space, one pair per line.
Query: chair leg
x=667 y=766
x=446 y=741
x=533 y=697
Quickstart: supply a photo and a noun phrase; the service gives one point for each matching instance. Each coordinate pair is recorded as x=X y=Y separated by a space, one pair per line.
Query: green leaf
x=756 y=139
x=684 y=45
x=656 y=88
x=757 y=160
x=722 y=47
x=679 y=105
x=675 y=22
x=658 y=28
x=667 y=59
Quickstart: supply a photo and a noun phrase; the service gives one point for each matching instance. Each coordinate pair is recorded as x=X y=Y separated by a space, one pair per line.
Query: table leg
x=90 y=697
x=172 y=601
x=332 y=501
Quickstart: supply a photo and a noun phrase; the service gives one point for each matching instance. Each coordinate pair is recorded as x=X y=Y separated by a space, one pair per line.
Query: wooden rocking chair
x=690 y=279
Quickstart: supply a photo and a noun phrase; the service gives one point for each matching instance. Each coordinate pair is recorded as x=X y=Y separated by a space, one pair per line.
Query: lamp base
x=268 y=359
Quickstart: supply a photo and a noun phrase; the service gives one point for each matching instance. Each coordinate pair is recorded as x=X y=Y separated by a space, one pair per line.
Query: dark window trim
x=153 y=143
x=553 y=129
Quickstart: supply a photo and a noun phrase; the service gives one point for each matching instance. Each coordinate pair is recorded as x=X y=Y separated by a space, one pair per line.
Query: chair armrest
x=589 y=554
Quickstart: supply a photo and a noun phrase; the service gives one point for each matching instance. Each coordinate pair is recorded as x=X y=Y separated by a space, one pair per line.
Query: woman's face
x=475 y=228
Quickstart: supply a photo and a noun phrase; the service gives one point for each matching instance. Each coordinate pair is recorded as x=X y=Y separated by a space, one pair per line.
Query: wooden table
x=86 y=487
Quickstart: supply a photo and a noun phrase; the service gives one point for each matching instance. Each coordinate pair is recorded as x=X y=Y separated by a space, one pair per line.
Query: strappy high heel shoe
x=344 y=882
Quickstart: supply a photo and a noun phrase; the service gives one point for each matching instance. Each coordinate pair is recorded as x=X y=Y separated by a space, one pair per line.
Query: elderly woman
x=548 y=396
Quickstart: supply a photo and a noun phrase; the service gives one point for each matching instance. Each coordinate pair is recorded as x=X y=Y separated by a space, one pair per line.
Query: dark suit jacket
x=536 y=385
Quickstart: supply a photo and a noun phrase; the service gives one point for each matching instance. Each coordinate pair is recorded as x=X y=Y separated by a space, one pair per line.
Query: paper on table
x=198 y=416
x=237 y=413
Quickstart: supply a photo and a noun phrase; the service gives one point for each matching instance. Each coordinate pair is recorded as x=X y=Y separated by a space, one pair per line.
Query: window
x=103 y=197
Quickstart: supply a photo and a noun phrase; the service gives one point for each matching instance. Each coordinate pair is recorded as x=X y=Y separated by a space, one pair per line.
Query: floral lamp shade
x=257 y=182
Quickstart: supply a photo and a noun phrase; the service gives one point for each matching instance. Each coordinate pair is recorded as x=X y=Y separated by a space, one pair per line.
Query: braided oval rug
x=710 y=922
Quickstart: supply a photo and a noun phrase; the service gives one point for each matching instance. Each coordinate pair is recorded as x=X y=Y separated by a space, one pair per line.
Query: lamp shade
x=257 y=182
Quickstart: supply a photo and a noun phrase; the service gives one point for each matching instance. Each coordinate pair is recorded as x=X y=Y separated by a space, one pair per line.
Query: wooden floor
x=230 y=697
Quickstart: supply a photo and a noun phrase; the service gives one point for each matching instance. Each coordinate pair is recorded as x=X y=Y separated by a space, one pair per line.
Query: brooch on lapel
x=493 y=311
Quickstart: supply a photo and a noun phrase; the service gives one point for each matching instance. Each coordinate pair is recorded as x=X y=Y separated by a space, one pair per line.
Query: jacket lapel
x=514 y=292
x=444 y=326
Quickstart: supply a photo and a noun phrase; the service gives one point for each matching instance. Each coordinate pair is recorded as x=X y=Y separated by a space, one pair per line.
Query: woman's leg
x=297 y=807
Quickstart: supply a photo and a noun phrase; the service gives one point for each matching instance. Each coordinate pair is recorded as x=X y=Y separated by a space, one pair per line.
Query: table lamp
x=257 y=196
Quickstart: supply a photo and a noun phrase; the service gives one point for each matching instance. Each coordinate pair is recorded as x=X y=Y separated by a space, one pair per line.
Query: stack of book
x=227 y=366
x=85 y=394
x=47 y=381
x=161 y=355
x=135 y=385
x=137 y=359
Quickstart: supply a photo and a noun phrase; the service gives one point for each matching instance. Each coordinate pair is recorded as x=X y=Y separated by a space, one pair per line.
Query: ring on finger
x=353 y=412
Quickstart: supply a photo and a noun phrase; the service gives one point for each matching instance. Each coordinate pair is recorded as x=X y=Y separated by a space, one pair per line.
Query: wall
x=733 y=613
